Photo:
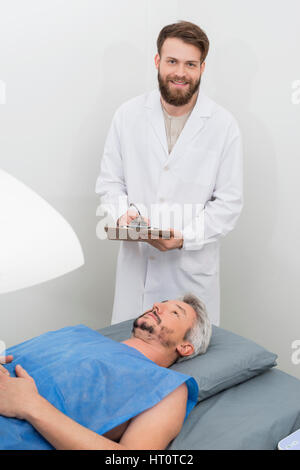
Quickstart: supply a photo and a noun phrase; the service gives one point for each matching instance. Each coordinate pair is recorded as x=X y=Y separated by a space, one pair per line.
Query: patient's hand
x=5 y=360
x=18 y=395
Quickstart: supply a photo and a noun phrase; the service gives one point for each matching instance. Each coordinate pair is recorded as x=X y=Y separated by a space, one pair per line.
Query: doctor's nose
x=180 y=71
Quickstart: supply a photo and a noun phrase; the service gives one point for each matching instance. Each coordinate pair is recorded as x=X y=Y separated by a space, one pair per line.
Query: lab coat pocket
x=200 y=166
x=204 y=261
x=196 y=178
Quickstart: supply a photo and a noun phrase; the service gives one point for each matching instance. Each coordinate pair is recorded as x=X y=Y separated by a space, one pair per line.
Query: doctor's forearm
x=220 y=217
x=215 y=222
x=64 y=433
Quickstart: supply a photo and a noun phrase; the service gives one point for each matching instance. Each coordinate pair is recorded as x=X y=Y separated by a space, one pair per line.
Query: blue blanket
x=98 y=382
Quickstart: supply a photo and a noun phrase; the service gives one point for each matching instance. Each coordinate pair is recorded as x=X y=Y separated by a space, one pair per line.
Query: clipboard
x=139 y=234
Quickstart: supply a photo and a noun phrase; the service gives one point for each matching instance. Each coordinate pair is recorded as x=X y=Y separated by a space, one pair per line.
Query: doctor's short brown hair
x=187 y=32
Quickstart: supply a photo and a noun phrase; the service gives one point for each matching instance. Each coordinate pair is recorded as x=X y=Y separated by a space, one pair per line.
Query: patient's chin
x=140 y=324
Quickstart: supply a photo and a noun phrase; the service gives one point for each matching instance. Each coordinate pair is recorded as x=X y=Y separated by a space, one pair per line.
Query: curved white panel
x=36 y=242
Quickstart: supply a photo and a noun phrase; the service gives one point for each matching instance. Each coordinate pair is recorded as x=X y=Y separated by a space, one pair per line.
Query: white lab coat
x=204 y=167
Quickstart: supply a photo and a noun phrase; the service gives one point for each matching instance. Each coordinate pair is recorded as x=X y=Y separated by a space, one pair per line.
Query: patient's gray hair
x=200 y=333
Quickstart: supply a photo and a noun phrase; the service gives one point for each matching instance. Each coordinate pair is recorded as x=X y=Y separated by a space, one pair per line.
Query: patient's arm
x=152 y=429
x=157 y=427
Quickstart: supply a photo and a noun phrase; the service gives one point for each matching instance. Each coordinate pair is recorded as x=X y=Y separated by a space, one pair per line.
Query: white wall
x=68 y=65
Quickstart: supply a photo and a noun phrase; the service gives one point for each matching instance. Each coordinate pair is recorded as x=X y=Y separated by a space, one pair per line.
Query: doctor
x=173 y=150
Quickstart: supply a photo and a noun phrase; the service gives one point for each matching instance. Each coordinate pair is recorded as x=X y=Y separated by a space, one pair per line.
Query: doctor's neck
x=179 y=110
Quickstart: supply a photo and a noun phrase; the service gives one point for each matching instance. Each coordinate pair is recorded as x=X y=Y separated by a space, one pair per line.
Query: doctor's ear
x=185 y=349
x=157 y=60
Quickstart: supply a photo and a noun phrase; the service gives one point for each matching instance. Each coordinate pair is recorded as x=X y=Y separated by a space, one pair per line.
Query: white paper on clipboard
x=136 y=233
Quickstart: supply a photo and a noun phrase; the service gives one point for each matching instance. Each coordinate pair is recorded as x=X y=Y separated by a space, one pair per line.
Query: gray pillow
x=229 y=360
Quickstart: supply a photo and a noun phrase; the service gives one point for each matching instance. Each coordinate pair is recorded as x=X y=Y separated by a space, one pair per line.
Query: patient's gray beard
x=142 y=326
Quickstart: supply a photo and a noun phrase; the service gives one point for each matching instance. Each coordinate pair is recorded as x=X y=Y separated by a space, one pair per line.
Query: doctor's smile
x=179 y=84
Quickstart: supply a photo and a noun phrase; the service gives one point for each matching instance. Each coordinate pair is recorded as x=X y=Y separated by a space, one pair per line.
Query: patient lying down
x=172 y=330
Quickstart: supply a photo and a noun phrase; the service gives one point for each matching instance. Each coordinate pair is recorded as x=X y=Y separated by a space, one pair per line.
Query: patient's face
x=167 y=322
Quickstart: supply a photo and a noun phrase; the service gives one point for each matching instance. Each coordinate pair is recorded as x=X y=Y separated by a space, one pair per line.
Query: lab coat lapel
x=156 y=118
x=196 y=121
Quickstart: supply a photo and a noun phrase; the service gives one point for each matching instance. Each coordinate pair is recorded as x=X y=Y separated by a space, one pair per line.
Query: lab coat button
x=166 y=168
x=151 y=257
x=161 y=199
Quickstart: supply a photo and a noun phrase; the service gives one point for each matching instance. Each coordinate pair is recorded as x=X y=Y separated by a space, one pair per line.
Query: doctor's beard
x=177 y=97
